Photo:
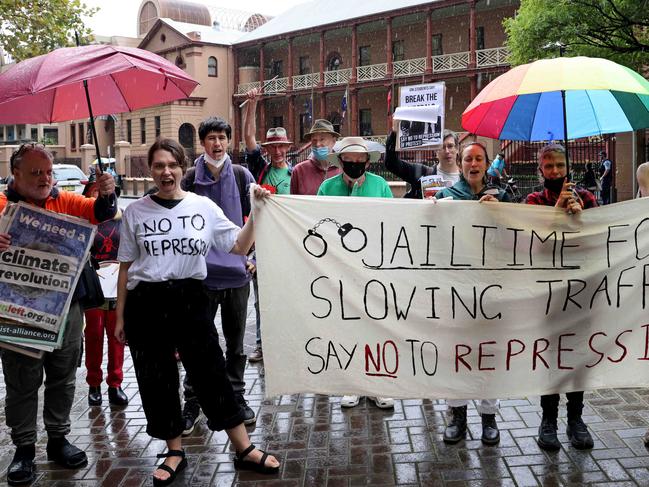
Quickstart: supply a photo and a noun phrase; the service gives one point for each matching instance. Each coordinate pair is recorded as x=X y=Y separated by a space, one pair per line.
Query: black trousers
x=234 y=311
x=550 y=405
x=160 y=318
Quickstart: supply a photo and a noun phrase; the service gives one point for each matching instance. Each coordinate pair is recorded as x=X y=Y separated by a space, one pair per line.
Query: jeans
x=234 y=310
x=23 y=377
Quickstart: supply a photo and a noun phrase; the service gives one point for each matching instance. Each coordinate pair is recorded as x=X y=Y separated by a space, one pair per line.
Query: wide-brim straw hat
x=277 y=135
x=321 y=126
x=350 y=145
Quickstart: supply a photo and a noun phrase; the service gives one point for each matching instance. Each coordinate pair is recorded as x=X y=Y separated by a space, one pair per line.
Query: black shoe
x=578 y=434
x=22 y=470
x=548 y=435
x=117 y=397
x=456 y=429
x=257 y=355
x=490 y=433
x=94 y=396
x=191 y=413
x=59 y=450
x=249 y=416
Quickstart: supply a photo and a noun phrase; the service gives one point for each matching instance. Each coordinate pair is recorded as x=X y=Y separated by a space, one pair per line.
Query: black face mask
x=354 y=170
x=554 y=185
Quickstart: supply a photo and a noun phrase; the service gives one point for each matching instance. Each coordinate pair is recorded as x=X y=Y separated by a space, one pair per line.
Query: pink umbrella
x=50 y=88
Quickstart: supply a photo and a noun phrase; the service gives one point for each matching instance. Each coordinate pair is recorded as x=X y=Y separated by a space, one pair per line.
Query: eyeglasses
x=449 y=146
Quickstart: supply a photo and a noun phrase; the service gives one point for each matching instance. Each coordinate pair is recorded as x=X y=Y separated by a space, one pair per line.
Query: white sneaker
x=383 y=402
x=349 y=401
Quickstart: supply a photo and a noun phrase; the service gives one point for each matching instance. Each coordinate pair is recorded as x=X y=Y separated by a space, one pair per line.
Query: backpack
x=239 y=175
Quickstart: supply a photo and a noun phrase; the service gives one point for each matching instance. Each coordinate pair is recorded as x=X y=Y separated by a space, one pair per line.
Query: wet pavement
x=322 y=445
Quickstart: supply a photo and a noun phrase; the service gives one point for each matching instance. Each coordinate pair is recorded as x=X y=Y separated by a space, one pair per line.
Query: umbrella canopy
x=49 y=88
x=527 y=102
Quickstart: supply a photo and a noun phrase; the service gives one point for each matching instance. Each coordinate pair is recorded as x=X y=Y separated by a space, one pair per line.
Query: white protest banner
x=405 y=298
x=421 y=116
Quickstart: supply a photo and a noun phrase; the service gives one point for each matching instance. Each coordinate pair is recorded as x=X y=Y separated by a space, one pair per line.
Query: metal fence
x=522 y=160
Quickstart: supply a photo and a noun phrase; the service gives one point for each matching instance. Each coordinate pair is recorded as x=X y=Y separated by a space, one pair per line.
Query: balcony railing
x=338 y=77
x=273 y=86
x=492 y=57
x=276 y=85
x=457 y=61
x=304 y=81
x=371 y=72
x=244 y=88
x=409 y=67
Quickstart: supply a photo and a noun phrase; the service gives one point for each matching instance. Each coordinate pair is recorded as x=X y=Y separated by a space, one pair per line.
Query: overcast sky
x=119 y=17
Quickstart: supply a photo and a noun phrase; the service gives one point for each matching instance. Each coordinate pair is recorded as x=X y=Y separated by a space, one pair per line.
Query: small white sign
x=421 y=116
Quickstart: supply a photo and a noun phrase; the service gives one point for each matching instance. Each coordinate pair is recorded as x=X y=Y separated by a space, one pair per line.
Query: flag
x=389 y=101
x=343 y=104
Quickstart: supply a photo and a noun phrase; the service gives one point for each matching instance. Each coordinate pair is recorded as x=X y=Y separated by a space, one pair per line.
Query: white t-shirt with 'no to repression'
x=167 y=244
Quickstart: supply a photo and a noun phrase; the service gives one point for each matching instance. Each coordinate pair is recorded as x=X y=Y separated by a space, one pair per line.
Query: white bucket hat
x=352 y=145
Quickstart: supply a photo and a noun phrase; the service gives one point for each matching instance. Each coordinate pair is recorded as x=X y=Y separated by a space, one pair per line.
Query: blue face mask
x=320 y=153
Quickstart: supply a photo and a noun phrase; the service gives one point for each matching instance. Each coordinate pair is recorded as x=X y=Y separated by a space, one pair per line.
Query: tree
x=31 y=28
x=612 y=29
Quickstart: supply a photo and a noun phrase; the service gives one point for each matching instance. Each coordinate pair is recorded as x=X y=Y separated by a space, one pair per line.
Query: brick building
x=368 y=49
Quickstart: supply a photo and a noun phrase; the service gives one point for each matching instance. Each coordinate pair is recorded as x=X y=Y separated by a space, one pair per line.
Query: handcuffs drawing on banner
x=343 y=230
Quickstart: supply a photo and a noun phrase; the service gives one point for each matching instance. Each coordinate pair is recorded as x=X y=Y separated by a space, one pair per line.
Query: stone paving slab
x=321 y=444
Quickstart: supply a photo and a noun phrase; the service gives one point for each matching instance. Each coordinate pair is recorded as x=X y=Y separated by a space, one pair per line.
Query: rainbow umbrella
x=561 y=98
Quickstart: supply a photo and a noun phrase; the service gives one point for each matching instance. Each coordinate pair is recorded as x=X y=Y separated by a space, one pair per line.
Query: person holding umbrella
x=163 y=307
x=561 y=193
x=33 y=182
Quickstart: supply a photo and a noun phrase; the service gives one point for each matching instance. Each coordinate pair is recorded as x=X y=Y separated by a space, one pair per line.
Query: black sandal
x=261 y=467
x=172 y=473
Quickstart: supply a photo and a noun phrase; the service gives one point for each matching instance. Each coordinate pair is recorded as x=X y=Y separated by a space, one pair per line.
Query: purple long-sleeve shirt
x=224 y=271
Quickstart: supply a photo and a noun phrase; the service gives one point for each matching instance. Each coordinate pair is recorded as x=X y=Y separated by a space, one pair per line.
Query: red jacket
x=308 y=175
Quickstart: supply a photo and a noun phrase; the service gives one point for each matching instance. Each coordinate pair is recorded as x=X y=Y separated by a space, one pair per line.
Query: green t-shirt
x=280 y=178
x=374 y=186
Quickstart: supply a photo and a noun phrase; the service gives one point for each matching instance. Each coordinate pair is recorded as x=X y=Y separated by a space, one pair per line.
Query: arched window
x=212 y=67
x=180 y=62
x=148 y=16
x=187 y=138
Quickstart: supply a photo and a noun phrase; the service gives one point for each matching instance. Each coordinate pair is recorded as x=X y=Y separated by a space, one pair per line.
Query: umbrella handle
x=92 y=127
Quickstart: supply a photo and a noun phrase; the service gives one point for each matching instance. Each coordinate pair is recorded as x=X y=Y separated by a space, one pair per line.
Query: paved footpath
x=322 y=445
